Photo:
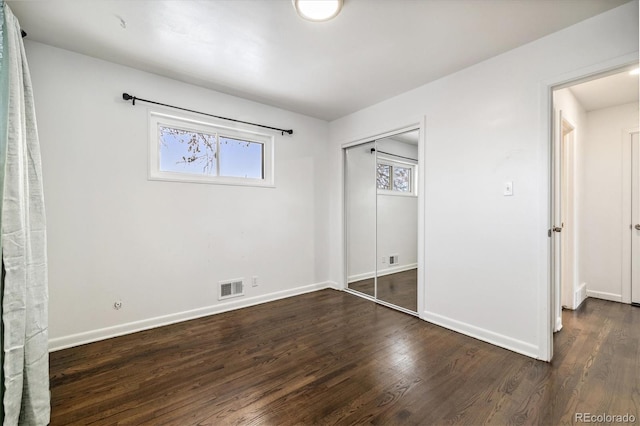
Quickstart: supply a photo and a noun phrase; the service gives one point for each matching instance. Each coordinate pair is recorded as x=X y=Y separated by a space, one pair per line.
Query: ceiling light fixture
x=635 y=72
x=317 y=10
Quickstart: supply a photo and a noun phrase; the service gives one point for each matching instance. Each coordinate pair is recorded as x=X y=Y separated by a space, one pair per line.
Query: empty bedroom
x=318 y=212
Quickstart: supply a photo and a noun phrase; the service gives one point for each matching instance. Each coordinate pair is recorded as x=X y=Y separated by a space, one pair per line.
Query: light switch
x=508 y=188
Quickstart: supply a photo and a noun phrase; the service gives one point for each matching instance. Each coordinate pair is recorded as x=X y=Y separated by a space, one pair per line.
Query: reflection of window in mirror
x=395 y=178
x=402 y=179
x=384 y=176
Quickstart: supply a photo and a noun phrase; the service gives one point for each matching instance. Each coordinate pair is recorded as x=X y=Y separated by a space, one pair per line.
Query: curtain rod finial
x=23 y=33
x=127 y=97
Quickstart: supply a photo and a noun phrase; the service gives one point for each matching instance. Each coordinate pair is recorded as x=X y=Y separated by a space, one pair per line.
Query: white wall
x=397 y=232
x=486 y=261
x=162 y=247
x=600 y=248
x=573 y=112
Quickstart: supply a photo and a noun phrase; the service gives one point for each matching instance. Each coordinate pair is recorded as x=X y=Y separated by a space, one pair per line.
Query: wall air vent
x=232 y=288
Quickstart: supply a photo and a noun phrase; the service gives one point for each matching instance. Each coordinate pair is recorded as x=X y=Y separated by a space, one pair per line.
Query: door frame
x=546 y=314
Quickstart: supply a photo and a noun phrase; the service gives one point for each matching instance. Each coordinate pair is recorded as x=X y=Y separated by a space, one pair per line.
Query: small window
x=384 y=176
x=395 y=178
x=402 y=179
x=192 y=151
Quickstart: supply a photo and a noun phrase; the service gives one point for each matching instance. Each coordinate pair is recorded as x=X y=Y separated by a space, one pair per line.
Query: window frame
x=392 y=162
x=158 y=119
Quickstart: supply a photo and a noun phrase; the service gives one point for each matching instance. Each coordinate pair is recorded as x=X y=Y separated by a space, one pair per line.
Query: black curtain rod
x=128 y=97
x=24 y=34
x=395 y=155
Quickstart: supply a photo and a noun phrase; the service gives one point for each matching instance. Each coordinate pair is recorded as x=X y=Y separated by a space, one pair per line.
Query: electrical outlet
x=117 y=304
x=254 y=281
x=384 y=259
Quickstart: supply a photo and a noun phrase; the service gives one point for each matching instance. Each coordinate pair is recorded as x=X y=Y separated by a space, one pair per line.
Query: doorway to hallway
x=595 y=191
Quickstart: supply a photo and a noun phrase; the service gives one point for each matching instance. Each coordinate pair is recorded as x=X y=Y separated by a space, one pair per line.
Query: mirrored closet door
x=381 y=199
x=360 y=198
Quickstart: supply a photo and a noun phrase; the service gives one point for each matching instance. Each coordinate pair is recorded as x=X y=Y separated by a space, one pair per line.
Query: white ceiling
x=261 y=50
x=616 y=89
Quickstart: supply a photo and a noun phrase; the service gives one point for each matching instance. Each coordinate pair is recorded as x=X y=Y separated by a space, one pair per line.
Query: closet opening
x=382 y=188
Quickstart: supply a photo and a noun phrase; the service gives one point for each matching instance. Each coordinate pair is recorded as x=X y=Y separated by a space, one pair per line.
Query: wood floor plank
x=332 y=358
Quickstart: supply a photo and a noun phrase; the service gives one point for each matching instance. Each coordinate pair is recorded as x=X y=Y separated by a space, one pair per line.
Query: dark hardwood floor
x=400 y=289
x=332 y=358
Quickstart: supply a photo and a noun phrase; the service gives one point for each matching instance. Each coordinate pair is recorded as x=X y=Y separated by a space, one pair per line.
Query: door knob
x=638 y=227
x=557 y=229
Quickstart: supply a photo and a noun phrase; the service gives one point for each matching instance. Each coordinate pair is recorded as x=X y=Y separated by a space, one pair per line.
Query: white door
x=556 y=221
x=567 y=185
x=635 y=219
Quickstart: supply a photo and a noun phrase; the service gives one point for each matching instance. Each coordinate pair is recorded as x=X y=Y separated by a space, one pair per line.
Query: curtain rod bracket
x=23 y=33
x=128 y=97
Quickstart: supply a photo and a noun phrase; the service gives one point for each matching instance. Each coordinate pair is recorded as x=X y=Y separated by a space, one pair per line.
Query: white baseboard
x=382 y=272
x=558 y=326
x=604 y=295
x=360 y=277
x=396 y=269
x=497 y=339
x=78 y=339
x=580 y=295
